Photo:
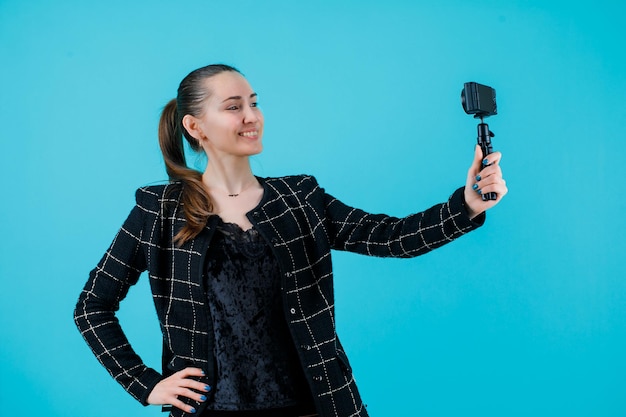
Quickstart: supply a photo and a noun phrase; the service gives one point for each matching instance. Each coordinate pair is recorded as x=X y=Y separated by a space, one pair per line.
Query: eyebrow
x=239 y=97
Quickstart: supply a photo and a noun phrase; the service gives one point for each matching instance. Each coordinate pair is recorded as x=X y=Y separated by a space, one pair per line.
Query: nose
x=251 y=115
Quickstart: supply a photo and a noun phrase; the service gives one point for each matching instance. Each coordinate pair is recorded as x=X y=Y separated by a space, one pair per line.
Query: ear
x=192 y=126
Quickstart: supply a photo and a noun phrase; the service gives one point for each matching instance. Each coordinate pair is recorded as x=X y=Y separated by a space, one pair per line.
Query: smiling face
x=230 y=123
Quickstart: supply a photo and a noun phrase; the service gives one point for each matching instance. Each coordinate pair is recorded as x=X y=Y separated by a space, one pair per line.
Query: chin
x=258 y=149
x=252 y=152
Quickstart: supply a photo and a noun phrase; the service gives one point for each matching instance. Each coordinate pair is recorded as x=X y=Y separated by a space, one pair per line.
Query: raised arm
x=355 y=230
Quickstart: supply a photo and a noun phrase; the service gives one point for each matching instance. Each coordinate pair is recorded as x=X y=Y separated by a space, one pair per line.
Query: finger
x=198 y=386
x=187 y=382
x=491 y=178
x=168 y=395
x=490 y=171
x=494 y=178
x=498 y=187
x=193 y=395
x=181 y=405
x=492 y=158
x=193 y=384
x=187 y=372
x=478 y=158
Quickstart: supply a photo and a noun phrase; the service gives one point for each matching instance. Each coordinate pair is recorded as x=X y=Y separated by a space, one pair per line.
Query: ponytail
x=197 y=205
x=192 y=94
x=171 y=141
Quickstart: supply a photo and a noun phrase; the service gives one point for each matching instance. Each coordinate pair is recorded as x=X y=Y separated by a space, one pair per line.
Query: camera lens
x=463 y=103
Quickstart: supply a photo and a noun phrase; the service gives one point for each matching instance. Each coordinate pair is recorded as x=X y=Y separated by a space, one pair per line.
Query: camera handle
x=484 y=140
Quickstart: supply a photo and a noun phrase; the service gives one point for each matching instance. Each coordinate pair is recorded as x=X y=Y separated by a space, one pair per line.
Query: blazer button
x=292 y=311
x=305 y=347
x=288 y=274
x=255 y=214
x=317 y=378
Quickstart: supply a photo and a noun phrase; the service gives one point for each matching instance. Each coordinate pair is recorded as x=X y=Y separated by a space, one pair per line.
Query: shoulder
x=293 y=191
x=151 y=197
x=291 y=183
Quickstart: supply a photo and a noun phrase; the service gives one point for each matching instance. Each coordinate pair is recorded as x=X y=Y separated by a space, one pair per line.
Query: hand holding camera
x=482 y=180
x=485 y=185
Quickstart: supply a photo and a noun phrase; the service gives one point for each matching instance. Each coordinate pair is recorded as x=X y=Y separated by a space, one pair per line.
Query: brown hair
x=192 y=93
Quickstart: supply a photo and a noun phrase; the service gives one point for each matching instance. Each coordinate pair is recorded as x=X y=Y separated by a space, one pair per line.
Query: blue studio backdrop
x=524 y=317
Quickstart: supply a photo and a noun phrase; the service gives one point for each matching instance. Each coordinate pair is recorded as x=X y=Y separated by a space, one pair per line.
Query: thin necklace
x=242 y=190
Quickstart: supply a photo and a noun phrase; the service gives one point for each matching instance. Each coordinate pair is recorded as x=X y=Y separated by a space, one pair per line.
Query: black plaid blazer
x=302 y=223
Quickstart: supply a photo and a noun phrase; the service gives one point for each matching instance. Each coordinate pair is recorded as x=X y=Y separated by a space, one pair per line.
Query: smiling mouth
x=252 y=134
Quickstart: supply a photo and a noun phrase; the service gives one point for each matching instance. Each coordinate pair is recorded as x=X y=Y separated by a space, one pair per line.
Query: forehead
x=228 y=84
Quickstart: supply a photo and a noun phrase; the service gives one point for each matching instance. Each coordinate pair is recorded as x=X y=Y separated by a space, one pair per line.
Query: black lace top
x=257 y=365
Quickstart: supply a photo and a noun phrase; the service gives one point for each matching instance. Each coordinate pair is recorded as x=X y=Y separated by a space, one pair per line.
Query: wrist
x=471 y=213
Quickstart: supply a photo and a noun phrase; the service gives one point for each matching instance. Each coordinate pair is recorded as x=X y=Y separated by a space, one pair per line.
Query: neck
x=231 y=176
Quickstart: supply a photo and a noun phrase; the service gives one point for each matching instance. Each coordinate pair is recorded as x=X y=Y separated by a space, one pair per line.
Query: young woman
x=240 y=267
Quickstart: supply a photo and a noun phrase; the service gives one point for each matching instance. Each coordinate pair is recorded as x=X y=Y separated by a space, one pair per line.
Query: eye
x=254 y=105
x=233 y=108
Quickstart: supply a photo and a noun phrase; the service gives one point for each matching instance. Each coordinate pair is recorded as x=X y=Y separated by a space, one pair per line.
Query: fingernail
x=193 y=410
x=207 y=388
x=475 y=187
x=478 y=177
x=203 y=398
x=485 y=161
x=479 y=192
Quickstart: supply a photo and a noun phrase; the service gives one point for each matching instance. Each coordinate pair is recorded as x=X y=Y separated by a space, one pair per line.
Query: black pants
x=272 y=412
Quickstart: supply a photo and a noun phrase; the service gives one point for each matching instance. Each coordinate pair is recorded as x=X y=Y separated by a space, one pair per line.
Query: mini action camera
x=479 y=100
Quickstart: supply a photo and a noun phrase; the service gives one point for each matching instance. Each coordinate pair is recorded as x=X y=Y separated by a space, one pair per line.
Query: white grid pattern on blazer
x=302 y=223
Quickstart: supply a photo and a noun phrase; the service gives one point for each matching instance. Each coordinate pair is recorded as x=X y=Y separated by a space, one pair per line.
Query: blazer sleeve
x=354 y=230
x=108 y=284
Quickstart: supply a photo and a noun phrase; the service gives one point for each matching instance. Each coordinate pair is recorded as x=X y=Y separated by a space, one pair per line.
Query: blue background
x=524 y=317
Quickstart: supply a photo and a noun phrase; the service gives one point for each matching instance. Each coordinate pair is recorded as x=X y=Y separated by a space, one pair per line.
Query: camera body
x=479 y=100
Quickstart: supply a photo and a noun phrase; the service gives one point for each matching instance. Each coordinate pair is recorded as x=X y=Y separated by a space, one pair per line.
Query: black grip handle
x=484 y=140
